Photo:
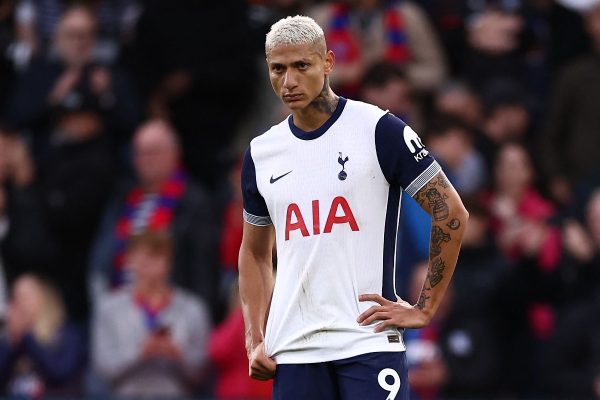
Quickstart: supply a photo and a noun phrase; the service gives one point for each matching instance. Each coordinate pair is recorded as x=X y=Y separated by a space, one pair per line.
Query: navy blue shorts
x=371 y=376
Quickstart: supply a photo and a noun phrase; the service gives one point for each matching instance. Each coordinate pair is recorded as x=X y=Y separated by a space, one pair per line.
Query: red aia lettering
x=299 y=224
x=347 y=217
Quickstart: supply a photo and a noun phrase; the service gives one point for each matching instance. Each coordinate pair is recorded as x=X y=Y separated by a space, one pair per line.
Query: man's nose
x=289 y=80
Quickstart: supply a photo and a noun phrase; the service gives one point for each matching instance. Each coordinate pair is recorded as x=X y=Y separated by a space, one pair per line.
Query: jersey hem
x=318 y=358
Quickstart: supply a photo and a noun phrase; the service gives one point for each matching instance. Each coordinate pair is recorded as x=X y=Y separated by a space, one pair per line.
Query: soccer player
x=325 y=185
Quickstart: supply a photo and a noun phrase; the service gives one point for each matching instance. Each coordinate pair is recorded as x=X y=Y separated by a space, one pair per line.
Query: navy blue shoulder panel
x=400 y=152
x=254 y=203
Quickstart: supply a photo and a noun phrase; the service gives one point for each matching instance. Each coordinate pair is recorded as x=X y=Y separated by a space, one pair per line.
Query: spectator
x=451 y=141
x=227 y=351
x=522 y=223
x=571 y=145
x=161 y=199
x=364 y=32
x=7 y=30
x=520 y=214
x=205 y=101
x=41 y=354
x=70 y=78
x=458 y=99
x=149 y=340
x=74 y=183
x=582 y=247
x=386 y=85
x=24 y=222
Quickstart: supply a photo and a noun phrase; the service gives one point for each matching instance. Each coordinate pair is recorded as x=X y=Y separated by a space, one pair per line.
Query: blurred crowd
x=122 y=123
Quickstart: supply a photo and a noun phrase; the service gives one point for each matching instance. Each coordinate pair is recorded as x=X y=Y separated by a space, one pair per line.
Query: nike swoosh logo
x=273 y=180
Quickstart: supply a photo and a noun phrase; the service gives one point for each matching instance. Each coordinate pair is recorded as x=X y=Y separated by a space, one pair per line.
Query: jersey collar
x=300 y=134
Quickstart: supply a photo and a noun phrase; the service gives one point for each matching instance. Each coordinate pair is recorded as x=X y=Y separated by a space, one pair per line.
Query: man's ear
x=329 y=62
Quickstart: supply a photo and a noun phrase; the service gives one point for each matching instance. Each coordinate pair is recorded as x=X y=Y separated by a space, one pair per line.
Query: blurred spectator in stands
x=71 y=77
x=386 y=85
x=451 y=141
x=581 y=240
x=41 y=354
x=24 y=221
x=150 y=340
x=521 y=216
x=458 y=99
x=161 y=199
x=203 y=93
x=506 y=117
x=573 y=359
x=37 y=21
x=74 y=185
x=227 y=350
x=364 y=32
x=522 y=222
x=471 y=348
x=571 y=144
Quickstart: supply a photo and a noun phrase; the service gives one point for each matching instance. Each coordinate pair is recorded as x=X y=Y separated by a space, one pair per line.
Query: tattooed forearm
x=438 y=205
x=422 y=300
x=437 y=271
x=438 y=236
x=454 y=224
x=326 y=101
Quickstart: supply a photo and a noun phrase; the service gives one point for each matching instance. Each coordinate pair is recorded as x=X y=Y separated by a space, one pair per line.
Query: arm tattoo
x=422 y=300
x=437 y=271
x=454 y=224
x=443 y=181
x=438 y=236
x=438 y=205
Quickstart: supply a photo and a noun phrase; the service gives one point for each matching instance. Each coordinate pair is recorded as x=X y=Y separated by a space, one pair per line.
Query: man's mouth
x=292 y=97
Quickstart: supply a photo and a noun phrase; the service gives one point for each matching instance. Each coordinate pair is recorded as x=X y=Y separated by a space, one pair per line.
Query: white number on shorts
x=394 y=387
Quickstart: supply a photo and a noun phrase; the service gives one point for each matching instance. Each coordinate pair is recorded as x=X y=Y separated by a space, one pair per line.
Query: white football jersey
x=333 y=196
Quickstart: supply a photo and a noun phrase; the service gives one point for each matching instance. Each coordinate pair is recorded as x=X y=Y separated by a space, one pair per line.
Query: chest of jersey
x=322 y=186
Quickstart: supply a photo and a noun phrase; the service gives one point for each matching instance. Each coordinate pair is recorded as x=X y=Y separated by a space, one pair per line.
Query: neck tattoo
x=326 y=102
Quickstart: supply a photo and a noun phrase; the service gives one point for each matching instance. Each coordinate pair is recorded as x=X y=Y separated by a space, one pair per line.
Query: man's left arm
x=448 y=220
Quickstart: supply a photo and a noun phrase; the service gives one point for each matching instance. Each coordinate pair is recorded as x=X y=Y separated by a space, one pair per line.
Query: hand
x=100 y=81
x=64 y=85
x=17 y=323
x=169 y=349
x=398 y=314
x=261 y=367
x=151 y=348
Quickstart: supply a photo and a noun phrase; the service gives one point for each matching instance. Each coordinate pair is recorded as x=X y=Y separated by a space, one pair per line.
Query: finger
x=368 y=312
x=378 y=316
x=383 y=326
x=374 y=297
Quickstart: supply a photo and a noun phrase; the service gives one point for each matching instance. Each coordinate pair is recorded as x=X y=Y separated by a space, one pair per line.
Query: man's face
x=298 y=72
x=155 y=155
x=75 y=38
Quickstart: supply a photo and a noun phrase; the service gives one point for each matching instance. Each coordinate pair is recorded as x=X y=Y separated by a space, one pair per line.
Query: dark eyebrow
x=297 y=63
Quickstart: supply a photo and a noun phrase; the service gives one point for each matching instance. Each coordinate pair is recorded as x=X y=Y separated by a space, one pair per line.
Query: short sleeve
x=402 y=156
x=255 y=208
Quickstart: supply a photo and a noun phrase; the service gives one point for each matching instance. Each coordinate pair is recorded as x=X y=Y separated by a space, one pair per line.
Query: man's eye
x=303 y=66
x=277 y=69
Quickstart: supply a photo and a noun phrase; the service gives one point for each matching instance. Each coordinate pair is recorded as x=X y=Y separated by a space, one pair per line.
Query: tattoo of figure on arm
x=438 y=236
x=437 y=271
x=454 y=224
x=438 y=205
x=422 y=300
x=443 y=181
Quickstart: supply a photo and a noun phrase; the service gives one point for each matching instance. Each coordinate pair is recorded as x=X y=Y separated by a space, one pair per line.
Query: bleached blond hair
x=294 y=30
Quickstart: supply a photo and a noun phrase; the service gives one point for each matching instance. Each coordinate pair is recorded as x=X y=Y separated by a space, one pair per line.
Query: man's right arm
x=256 y=287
